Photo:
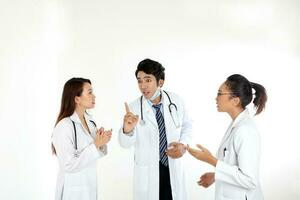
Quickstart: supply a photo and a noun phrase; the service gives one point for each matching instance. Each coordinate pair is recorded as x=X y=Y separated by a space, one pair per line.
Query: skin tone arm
x=204 y=155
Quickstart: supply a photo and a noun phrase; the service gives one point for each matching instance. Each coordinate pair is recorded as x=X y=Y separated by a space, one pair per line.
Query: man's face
x=147 y=84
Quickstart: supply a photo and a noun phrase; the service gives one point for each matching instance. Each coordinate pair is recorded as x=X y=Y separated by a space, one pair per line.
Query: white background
x=44 y=43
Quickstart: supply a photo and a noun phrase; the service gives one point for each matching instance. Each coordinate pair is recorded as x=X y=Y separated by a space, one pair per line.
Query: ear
x=77 y=100
x=161 y=82
x=236 y=101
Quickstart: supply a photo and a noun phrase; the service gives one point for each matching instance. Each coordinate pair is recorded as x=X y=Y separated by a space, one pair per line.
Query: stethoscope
x=76 y=154
x=172 y=106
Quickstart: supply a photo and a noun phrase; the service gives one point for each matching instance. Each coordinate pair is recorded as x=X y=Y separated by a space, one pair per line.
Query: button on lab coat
x=237 y=170
x=77 y=177
x=145 y=139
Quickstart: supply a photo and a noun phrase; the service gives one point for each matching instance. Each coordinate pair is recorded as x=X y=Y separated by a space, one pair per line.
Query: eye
x=148 y=80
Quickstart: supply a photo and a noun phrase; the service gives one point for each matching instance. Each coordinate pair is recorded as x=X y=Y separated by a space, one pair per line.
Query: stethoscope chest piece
x=142 y=122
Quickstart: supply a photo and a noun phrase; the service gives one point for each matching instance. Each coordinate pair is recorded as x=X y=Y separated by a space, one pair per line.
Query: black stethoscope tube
x=170 y=104
x=75 y=133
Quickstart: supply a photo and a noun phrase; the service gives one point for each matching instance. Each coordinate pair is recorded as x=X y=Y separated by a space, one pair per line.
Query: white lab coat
x=237 y=170
x=145 y=139
x=77 y=177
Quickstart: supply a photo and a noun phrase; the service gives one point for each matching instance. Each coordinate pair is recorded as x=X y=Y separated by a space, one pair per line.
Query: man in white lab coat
x=158 y=127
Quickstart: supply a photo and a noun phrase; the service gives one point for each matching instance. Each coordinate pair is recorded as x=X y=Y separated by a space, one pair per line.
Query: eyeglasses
x=224 y=93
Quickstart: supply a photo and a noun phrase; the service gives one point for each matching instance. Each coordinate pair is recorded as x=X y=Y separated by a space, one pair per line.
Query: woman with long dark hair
x=77 y=143
x=237 y=162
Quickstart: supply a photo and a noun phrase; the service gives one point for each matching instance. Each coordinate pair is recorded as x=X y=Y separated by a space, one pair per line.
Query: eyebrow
x=144 y=77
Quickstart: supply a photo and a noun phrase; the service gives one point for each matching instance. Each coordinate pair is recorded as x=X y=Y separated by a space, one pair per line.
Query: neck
x=157 y=100
x=234 y=113
x=80 y=112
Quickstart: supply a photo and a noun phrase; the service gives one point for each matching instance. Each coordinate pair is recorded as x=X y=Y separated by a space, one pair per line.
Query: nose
x=216 y=98
x=143 y=85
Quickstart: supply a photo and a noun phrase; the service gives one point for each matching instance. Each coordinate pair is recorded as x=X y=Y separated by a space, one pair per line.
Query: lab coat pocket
x=233 y=192
x=141 y=178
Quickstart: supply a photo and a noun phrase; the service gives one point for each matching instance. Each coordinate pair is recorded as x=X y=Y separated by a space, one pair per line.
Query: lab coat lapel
x=167 y=114
x=148 y=113
x=79 y=126
x=233 y=124
x=75 y=118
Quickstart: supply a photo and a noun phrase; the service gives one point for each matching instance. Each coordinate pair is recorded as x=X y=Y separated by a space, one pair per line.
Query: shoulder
x=173 y=96
x=63 y=128
x=246 y=130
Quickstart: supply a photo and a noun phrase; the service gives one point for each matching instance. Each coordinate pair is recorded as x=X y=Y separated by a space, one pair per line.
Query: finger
x=187 y=147
x=194 y=152
x=172 y=144
x=127 y=107
x=136 y=117
x=129 y=119
x=100 y=130
x=200 y=147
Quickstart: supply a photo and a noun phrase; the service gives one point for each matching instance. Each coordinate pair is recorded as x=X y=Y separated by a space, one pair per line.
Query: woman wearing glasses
x=237 y=161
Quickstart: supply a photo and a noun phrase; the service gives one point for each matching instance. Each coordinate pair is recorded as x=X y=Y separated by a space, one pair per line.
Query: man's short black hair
x=151 y=67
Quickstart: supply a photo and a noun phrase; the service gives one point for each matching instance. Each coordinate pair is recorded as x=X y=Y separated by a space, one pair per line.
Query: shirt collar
x=74 y=117
x=161 y=100
x=244 y=114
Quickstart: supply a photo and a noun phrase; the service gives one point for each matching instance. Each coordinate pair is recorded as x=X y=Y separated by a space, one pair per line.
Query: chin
x=148 y=97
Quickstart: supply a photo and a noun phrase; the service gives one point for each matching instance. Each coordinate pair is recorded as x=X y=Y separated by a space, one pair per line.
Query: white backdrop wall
x=200 y=43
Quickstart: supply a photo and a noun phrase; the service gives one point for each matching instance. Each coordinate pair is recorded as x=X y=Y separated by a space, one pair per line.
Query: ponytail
x=260 y=97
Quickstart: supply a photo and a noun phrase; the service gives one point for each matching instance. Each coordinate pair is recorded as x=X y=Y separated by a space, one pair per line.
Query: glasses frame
x=232 y=94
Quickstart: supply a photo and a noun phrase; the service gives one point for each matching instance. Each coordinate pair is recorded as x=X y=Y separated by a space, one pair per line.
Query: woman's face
x=87 y=99
x=225 y=101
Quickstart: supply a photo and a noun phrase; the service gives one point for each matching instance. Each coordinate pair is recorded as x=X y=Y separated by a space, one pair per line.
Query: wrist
x=212 y=160
x=97 y=144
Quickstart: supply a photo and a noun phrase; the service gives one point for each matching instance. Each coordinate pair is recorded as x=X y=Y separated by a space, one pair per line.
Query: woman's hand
x=102 y=137
x=207 y=179
x=203 y=154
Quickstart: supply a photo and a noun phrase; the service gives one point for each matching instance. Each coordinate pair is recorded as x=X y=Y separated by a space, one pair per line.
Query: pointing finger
x=127 y=107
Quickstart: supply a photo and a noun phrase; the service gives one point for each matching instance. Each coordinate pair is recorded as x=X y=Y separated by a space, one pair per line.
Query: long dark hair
x=242 y=88
x=72 y=88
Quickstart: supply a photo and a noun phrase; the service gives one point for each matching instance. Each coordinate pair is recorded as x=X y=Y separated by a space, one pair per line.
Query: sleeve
x=63 y=142
x=186 y=129
x=127 y=140
x=245 y=173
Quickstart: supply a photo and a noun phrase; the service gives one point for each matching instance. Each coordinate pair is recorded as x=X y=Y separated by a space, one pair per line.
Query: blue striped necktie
x=162 y=135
